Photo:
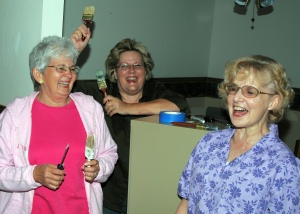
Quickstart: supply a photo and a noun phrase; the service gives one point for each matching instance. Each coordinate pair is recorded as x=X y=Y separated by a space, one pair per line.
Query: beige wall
x=288 y=128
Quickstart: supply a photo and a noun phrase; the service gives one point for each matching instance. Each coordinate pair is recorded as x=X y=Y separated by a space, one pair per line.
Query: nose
x=68 y=73
x=131 y=68
x=238 y=95
x=69 y=69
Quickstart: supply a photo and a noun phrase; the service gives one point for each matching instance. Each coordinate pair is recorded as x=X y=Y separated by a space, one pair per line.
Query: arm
x=105 y=147
x=156 y=98
x=183 y=207
x=76 y=36
x=285 y=191
x=15 y=174
x=114 y=105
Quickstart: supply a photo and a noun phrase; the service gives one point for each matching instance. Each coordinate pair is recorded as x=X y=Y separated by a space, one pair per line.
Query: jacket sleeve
x=15 y=174
x=106 y=148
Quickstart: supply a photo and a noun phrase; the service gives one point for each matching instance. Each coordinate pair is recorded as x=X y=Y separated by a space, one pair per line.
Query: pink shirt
x=52 y=129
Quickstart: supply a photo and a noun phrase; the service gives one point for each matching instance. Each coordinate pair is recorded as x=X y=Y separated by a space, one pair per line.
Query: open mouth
x=64 y=84
x=131 y=79
x=239 y=111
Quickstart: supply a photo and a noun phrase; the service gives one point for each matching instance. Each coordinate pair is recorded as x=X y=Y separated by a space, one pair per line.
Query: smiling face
x=55 y=87
x=250 y=112
x=130 y=82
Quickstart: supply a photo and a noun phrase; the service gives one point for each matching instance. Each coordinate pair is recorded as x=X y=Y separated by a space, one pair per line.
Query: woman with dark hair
x=131 y=94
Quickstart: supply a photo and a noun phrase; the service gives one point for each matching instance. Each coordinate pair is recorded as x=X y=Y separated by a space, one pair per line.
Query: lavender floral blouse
x=266 y=179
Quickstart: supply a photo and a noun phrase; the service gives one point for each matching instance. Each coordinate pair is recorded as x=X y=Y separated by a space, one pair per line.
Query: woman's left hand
x=91 y=169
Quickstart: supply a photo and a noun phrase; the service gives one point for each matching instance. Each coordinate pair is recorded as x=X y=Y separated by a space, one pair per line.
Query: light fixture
x=264 y=7
x=264 y=3
x=242 y=2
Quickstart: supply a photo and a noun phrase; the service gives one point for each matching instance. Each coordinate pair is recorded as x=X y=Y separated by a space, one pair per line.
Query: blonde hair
x=268 y=73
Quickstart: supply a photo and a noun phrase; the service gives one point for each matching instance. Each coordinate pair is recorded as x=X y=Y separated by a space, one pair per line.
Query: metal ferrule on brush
x=88 y=17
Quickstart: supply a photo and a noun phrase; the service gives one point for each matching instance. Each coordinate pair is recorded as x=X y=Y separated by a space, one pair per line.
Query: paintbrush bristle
x=88 y=13
x=90 y=141
x=87 y=17
x=101 y=81
x=89 y=147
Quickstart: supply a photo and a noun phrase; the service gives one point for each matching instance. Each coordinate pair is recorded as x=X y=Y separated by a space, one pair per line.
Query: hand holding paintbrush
x=101 y=82
x=81 y=31
x=87 y=17
x=89 y=147
x=92 y=168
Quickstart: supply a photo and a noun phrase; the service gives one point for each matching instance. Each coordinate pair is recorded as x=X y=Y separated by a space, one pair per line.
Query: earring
x=41 y=81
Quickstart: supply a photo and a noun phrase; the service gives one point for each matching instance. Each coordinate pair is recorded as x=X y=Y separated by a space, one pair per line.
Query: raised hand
x=76 y=36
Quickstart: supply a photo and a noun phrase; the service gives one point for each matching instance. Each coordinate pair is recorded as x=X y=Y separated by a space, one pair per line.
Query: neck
x=131 y=98
x=249 y=136
x=53 y=102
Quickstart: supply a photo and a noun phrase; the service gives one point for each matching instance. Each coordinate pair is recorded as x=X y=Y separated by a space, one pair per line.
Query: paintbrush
x=196 y=126
x=89 y=147
x=87 y=17
x=101 y=82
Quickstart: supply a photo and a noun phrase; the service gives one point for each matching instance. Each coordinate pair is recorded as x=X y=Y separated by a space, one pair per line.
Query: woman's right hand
x=114 y=105
x=49 y=176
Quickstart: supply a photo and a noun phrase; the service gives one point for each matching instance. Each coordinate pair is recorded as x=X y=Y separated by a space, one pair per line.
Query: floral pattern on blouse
x=265 y=179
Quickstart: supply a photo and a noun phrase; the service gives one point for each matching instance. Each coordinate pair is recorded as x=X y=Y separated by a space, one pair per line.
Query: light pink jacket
x=16 y=174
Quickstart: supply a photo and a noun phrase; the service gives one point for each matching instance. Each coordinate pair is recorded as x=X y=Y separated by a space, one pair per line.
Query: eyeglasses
x=247 y=90
x=63 y=68
x=126 y=67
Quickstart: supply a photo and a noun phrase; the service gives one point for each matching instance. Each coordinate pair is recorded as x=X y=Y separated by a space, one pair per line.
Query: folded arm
x=114 y=105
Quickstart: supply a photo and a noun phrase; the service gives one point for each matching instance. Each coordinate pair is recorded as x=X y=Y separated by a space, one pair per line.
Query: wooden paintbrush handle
x=86 y=22
x=183 y=124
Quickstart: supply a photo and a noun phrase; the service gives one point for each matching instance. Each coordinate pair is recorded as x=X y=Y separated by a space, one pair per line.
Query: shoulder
x=81 y=97
x=151 y=85
x=19 y=110
x=215 y=140
x=85 y=102
x=218 y=136
x=22 y=105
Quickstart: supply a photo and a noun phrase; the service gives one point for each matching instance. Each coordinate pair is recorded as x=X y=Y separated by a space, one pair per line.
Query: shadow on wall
x=2 y=107
x=283 y=126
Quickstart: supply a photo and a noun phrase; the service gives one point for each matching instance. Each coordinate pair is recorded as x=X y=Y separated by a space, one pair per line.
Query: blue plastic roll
x=167 y=117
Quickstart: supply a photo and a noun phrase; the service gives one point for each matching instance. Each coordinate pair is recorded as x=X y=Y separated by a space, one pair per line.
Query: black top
x=116 y=187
